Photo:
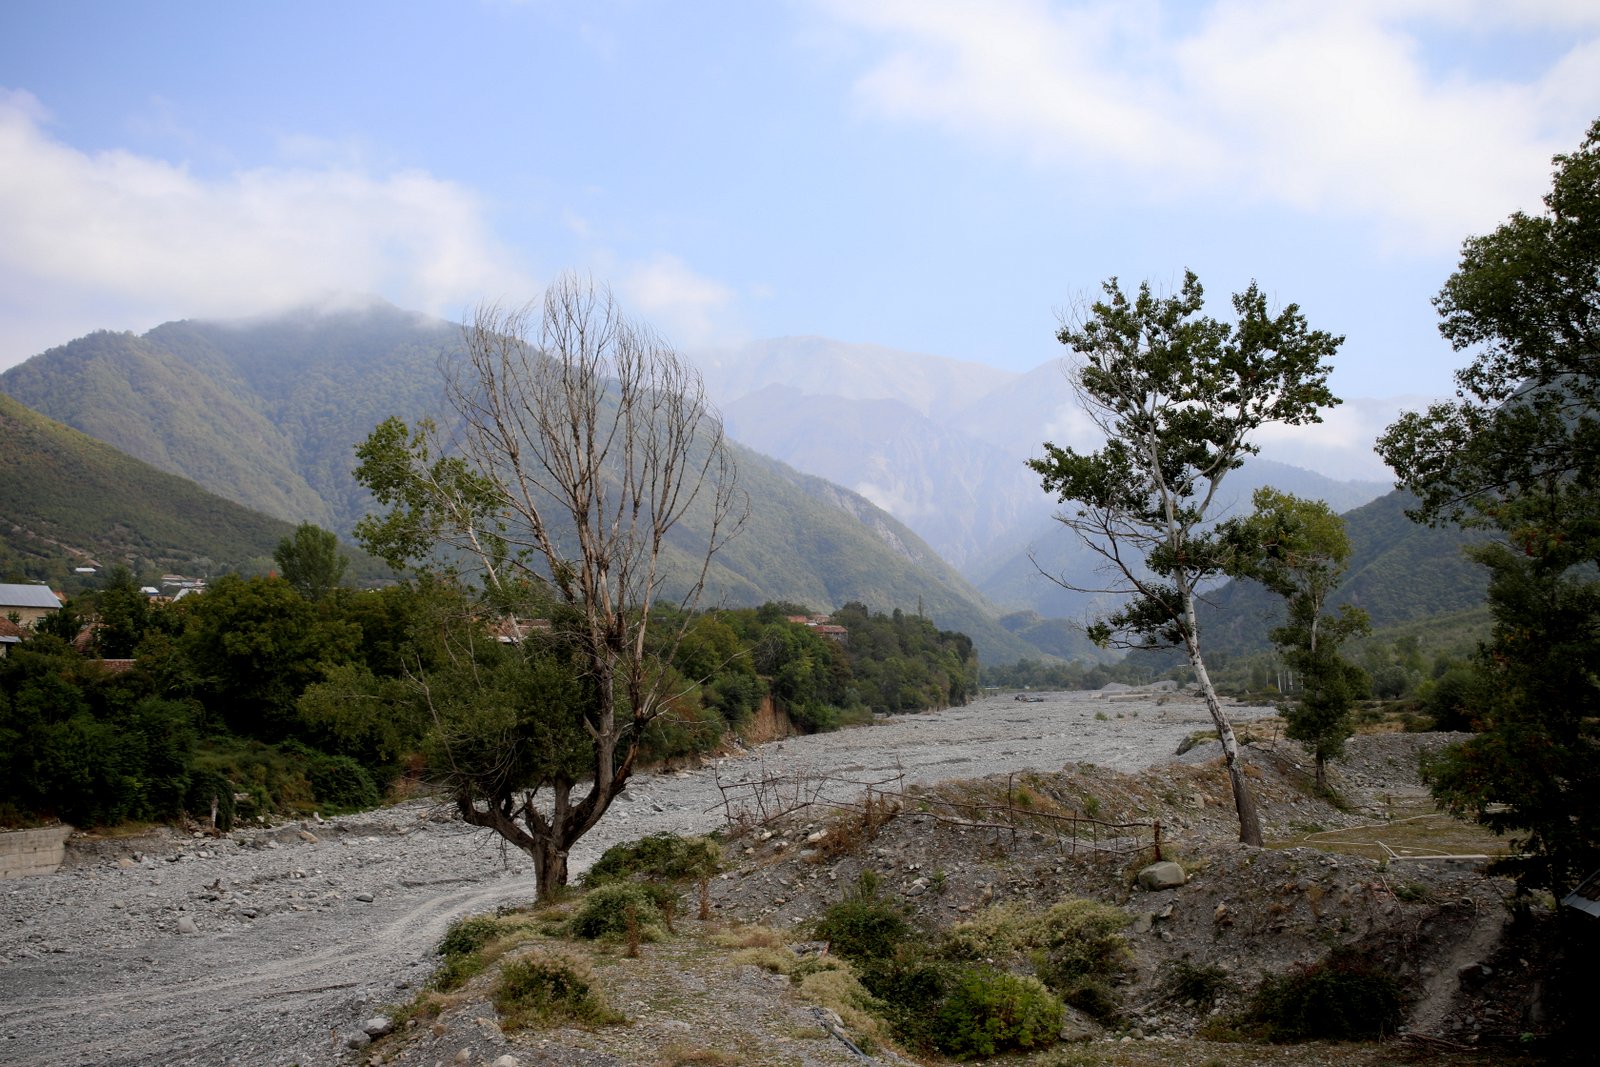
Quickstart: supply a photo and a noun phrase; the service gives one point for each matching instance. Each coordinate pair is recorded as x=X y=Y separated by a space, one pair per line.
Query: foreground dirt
x=302 y=932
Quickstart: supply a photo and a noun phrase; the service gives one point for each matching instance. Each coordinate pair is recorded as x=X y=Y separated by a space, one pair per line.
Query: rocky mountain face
x=942 y=444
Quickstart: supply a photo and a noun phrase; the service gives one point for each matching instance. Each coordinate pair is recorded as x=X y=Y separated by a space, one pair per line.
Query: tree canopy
x=1176 y=395
x=582 y=441
x=1518 y=452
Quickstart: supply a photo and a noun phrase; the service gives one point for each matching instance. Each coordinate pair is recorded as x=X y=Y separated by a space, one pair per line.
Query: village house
x=27 y=604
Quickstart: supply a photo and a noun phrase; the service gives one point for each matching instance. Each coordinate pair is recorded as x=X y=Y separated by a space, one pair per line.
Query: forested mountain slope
x=268 y=413
x=68 y=500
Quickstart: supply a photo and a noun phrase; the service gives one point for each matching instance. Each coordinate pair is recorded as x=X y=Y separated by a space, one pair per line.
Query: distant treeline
x=251 y=698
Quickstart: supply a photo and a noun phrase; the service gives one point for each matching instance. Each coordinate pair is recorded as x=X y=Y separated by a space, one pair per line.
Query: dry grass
x=1415 y=829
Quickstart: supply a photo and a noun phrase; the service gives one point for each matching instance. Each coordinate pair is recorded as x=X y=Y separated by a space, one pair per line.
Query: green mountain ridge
x=70 y=500
x=267 y=413
x=1399 y=572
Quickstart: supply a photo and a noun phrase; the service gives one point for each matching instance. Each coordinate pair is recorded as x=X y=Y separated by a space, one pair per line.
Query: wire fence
x=764 y=799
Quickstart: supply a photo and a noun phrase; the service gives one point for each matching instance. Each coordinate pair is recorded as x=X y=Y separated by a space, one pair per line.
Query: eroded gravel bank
x=302 y=931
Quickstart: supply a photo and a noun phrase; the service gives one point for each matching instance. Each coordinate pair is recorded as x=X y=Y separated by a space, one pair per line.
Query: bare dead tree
x=583 y=442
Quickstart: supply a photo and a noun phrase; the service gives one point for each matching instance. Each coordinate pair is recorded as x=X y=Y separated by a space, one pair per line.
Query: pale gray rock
x=1163 y=875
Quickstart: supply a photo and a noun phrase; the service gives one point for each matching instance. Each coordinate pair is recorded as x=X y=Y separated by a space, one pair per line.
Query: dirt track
x=287 y=958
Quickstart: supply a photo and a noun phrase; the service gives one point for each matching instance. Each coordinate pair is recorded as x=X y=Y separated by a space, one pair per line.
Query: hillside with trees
x=268 y=414
x=69 y=500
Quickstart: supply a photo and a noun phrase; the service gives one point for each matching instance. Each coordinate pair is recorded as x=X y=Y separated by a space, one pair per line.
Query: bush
x=1078 y=950
x=911 y=989
x=462 y=949
x=863 y=926
x=1075 y=947
x=660 y=858
x=1344 y=997
x=1198 y=984
x=607 y=910
x=547 y=989
x=468 y=934
x=206 y=787
x=340 y=784
x=990 y=1011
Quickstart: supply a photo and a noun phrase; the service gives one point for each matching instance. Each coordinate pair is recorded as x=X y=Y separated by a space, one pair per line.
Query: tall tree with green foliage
x=581 y=444
x=1518 y=452
x=309 y=560
x=1298 y=549
x=1176 y=395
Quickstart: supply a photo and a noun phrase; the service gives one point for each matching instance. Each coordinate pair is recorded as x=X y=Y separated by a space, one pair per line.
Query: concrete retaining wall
x=29 y=852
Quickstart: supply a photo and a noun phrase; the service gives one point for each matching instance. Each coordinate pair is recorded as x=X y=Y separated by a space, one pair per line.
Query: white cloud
x=688 y=309
x=1324 y=107
x=150 y=239
x=1341 y=445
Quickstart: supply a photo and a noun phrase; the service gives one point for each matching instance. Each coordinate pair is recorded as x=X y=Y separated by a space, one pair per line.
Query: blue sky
x=932 y=176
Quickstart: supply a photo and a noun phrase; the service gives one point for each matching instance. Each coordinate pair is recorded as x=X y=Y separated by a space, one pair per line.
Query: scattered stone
x=507 y=1060
x=378 y=1026
x=365 y=898
x=358 y=1040
x=308 y=837
x=186 y=925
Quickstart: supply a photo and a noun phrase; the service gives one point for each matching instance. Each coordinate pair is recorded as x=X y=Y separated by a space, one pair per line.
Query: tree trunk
x=549 y=869
x=1244 y=800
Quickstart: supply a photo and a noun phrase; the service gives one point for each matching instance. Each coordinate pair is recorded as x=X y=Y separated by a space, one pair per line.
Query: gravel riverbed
x=271 y=945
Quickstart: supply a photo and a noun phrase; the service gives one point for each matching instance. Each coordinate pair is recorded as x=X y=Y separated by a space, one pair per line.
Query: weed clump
x=1343 y=997
x=864 y=927
x=1075 y=947
x=1201 y=985
x=549 y=989
x=462 y=950
x=663 y=863
x=616 y=911
x=657 y=858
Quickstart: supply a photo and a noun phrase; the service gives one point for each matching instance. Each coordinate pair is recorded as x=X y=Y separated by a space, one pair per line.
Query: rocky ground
x=274 y=945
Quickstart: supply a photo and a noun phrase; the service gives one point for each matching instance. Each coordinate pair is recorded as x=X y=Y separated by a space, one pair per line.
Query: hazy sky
x=934 y=176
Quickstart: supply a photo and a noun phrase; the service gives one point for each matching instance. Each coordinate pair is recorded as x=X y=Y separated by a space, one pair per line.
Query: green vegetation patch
x=549 y=989
x=1343 y=997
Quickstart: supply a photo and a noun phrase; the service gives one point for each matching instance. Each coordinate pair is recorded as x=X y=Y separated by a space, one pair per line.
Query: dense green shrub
x=547 y=989
x=607 y=911
x=989 y=1011
x=664 y=857
x=1075 y=947
x=462 y=948
x=864 y=926
x=1078 y=950
x=340 y=784
x=1343 y=997
x=468 y=934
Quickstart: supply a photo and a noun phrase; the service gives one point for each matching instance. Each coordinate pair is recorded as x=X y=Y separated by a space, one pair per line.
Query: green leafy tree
x=123 y=614
x=310 y=561
x=1298 y=549
x=251 y=646
x=582 y=444
x=1518 y=452
x=1176 y=395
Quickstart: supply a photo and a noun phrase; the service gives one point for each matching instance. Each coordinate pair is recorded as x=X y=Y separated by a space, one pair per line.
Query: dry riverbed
x=271 y=945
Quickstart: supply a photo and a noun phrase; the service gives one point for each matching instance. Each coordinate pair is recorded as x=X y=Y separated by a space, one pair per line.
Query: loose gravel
x=301 y=932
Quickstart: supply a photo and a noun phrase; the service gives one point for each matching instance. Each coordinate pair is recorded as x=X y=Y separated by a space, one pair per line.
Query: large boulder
x=1163 y=875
